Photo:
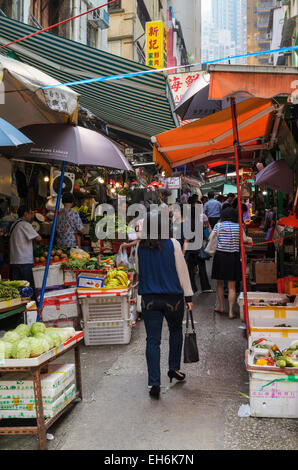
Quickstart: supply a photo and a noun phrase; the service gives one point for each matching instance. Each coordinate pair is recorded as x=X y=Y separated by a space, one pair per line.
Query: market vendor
x=22 y=235
x=69 y=224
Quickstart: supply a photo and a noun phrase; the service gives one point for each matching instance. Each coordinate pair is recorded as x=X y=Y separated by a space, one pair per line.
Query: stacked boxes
x=273 y=390
x=106 y=316
x=17 y=394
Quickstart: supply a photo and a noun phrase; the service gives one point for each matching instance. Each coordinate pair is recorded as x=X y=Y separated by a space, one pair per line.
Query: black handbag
x=191 y=352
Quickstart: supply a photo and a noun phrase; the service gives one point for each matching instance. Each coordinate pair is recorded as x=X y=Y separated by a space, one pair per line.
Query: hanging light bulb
x=113 y=190
x=46 y=179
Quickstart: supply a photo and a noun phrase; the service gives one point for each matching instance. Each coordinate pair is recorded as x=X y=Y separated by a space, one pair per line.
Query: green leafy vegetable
x=23 y=330
x=21 y=350
x=11 y=337
x=37 y=327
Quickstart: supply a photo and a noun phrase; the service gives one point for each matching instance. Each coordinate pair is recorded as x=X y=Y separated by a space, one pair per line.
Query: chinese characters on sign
x=156 y=40
x=179 y=84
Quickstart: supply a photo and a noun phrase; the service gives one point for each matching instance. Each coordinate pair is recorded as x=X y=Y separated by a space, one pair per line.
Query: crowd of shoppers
x=167 y=270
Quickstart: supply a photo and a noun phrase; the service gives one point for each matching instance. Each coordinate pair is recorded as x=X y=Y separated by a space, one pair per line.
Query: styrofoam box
x=277 y=400
x=280 y=398
x=18 y=385
x=110 y=332
x=106 y=307
x=256 y=296
x=55 y=275
x=70 y=278
x=50 y=410
x=282 y=337
x=269 y=316
x=60 y=304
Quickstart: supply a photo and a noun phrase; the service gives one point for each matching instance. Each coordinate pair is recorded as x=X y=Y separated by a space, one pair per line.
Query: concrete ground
x=201 y=414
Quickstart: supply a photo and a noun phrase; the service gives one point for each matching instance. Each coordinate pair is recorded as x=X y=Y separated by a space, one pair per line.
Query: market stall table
x=14 y=310
x=35 y=368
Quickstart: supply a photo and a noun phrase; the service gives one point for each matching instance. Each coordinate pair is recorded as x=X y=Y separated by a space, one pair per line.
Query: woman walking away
x=226 y=263
x=164 y=285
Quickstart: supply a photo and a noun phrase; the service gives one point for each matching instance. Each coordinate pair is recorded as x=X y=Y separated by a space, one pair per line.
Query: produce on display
x=25 y=342
x=77 y=253
x=116 y=278
x=21 y=349
x=8 y=292
x=57 y=254
x=84 y=212
x=23 y=330
x=267 y=353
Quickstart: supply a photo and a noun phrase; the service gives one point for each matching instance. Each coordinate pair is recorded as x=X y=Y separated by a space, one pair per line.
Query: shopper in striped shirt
x=227 y=263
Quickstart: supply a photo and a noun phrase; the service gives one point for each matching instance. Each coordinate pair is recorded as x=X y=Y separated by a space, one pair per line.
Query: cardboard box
x=265 y=272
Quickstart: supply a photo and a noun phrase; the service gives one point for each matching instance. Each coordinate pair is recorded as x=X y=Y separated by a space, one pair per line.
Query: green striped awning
x=139 y=105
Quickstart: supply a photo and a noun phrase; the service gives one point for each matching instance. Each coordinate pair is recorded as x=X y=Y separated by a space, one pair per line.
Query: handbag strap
x=189 y=316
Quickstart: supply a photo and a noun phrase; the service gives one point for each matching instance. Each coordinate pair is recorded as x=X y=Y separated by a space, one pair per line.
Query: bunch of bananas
x=116 y=278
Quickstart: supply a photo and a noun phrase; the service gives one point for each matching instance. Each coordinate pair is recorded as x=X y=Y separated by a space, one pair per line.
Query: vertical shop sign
x=156 y=44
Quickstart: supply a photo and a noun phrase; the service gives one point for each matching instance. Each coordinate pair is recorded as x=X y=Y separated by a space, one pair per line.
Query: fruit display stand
x=35 y=366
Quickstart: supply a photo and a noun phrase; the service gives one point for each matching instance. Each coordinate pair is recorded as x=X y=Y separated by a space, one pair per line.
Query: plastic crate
x=55 y=276
x=110 y=332
x=106 y=307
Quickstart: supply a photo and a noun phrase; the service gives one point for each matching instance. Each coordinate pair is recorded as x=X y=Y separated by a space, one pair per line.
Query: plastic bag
x=77 y=253
x=132 y=258
x=122 y=258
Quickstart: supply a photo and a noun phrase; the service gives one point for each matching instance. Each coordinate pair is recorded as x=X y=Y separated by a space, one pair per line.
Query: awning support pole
x=46 y=272
x=243 y=264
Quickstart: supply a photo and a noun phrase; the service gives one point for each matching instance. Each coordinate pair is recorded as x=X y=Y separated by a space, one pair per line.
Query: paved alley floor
x=201 y=414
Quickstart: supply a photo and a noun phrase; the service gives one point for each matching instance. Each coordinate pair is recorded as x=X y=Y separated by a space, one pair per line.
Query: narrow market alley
x=200 y=414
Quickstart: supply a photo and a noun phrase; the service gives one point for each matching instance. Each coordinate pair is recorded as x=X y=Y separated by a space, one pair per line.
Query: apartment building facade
x=90 y=29
x=127 y=32
x=289 y=35
x=258 y=38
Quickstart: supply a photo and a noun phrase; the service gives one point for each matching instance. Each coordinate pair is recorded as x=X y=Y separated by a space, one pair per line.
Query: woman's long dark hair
x=153 y=243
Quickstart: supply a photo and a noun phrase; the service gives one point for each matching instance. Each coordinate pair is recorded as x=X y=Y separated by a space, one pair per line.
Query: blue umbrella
x=11 y=137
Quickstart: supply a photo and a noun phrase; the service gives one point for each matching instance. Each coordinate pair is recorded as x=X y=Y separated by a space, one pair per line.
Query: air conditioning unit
x=99 y=19
x=68 y=182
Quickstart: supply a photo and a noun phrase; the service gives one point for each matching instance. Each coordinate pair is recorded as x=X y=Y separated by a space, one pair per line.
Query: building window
x=45 y=12
x=115 y=6
x=92 y=36
x=6 y=7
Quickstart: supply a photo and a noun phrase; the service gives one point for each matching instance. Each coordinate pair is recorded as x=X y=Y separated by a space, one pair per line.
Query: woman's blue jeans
x=154 y=309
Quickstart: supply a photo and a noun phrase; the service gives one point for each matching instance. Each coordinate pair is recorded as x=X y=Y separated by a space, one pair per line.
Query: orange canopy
x=211 y=138
x=262 y=82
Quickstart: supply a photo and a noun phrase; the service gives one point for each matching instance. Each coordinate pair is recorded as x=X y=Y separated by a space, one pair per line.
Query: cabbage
x=21 y=350
x=7 y=349
x=47 y=338
x=36 y=347
x=11 y=337
x=2 y=350
x=23 y=330
x=65 y=333
x=55 y=337
x=37 y=327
